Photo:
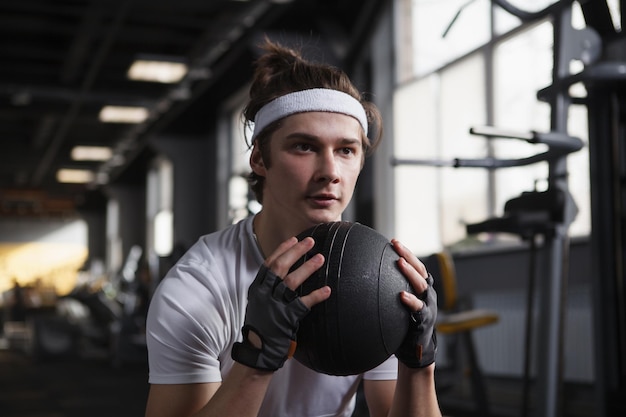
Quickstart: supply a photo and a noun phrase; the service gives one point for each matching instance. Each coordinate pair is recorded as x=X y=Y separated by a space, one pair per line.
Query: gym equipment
x=106 y=315
x=456 y=318
x=534 y=213
x=363 y=322
x=550 y=213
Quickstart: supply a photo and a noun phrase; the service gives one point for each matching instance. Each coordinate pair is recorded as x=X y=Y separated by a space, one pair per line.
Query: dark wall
x=194 y=185
x=132 y=222
x=508 y=268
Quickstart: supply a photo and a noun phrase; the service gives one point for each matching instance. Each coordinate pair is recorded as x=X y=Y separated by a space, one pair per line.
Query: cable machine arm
x=559 y=144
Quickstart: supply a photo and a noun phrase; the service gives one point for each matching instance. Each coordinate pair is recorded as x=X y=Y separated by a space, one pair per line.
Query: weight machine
x=601 y=48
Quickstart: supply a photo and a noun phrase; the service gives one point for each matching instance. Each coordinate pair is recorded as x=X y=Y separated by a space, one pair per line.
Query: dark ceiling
x=61 y=61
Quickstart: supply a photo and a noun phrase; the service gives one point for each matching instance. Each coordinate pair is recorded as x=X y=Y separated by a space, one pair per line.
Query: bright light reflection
x=166 y=72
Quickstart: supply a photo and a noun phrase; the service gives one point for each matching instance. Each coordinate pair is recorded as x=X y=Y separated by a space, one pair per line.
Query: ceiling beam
x=44 y=166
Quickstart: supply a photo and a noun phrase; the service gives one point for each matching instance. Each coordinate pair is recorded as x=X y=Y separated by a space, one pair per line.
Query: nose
x=327 y=167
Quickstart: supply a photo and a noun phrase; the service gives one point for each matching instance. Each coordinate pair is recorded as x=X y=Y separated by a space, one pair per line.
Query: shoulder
x=196 y=310
x=214 y=272
x=230 y=241
x=212 y=250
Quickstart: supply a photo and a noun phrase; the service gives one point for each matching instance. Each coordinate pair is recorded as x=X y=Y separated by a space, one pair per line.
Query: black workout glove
x=419 y=347
x=273 y=313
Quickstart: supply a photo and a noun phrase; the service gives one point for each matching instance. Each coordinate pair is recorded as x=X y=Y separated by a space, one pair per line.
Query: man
x=223 y=320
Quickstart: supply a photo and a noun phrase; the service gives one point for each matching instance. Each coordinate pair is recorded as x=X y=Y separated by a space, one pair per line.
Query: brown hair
x=282 y=70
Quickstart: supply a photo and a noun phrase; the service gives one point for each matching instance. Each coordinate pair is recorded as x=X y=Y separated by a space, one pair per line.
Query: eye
x=303 y=147
x=348 y=151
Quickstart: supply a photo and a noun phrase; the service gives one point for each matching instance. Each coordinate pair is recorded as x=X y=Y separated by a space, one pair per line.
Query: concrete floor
x=505 y=400
x=70 y=388
x=92 y=386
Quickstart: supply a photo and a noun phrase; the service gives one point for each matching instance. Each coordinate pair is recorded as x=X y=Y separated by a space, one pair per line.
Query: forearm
x=240 y=395
x=415 y=394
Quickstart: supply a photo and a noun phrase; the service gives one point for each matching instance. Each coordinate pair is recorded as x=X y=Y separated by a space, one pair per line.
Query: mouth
x=323 y=199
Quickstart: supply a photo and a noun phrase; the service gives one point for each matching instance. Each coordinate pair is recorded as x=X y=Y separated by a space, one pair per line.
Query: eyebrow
x=314 y=138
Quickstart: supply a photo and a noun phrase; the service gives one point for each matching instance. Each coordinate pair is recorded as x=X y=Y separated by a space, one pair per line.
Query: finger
x=287 y=253
x=316 y=296
x=416 y=280
x=282 y=248
x=410 y=257
x=295 y=278
x=411 y=301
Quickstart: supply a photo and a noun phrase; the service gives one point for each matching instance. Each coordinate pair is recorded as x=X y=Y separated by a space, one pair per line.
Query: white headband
x=316 y=99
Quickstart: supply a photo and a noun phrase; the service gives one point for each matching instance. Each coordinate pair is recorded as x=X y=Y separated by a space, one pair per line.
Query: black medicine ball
x=363 y=322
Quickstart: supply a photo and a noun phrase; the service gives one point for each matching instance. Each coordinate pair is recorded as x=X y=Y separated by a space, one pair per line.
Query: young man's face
x=316 y=158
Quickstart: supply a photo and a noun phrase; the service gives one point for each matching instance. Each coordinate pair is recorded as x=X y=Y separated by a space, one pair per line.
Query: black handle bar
x=527 y=16
x=559 y=144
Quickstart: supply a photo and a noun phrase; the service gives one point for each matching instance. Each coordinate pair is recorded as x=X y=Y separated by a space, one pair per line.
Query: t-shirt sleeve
x=186 y=329
x=385 y=371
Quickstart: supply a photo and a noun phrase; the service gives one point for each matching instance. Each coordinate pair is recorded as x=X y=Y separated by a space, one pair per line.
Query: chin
x=317 y=218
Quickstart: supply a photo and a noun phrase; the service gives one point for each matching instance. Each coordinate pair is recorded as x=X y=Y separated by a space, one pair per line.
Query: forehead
x=322 y=125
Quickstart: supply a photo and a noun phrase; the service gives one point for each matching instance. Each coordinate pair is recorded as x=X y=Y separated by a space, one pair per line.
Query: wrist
x=425 y=372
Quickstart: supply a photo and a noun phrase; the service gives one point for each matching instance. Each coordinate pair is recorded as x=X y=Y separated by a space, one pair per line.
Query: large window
x=160 y=201
x=234 y=162
x=441 y=28
x=432 y=120
x=467 y=64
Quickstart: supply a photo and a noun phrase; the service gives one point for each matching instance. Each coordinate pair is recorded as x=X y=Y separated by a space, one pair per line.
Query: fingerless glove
x=273 y=313
x=419 y=347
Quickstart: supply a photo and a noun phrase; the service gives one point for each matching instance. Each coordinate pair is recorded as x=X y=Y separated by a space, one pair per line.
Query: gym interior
x=503 y=167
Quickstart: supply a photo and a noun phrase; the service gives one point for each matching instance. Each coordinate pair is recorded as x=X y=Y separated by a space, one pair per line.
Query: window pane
x=446 y=30
x=522 y=66
x=432 y=117
x=416 y=188
x=432 y=120
x=160 y=200
x=240 y=152
x=505 y=21
x=238 y=190
x=464 y=191
x=579 y=176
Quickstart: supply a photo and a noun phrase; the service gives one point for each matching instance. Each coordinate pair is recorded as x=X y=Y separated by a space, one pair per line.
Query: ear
x=256 y=162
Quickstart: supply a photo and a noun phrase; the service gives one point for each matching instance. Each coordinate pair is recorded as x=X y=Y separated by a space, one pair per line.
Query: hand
x=419 y=347
x=274 y=309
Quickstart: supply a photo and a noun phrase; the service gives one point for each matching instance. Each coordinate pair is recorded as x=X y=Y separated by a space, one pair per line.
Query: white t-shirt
x=196 y=315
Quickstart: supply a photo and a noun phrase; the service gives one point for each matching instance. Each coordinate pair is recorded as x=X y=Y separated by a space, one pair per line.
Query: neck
x=271 y=230
x=268 y=234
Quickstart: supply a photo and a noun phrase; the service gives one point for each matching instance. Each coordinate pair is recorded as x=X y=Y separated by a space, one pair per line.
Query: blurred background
x=503 y=163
